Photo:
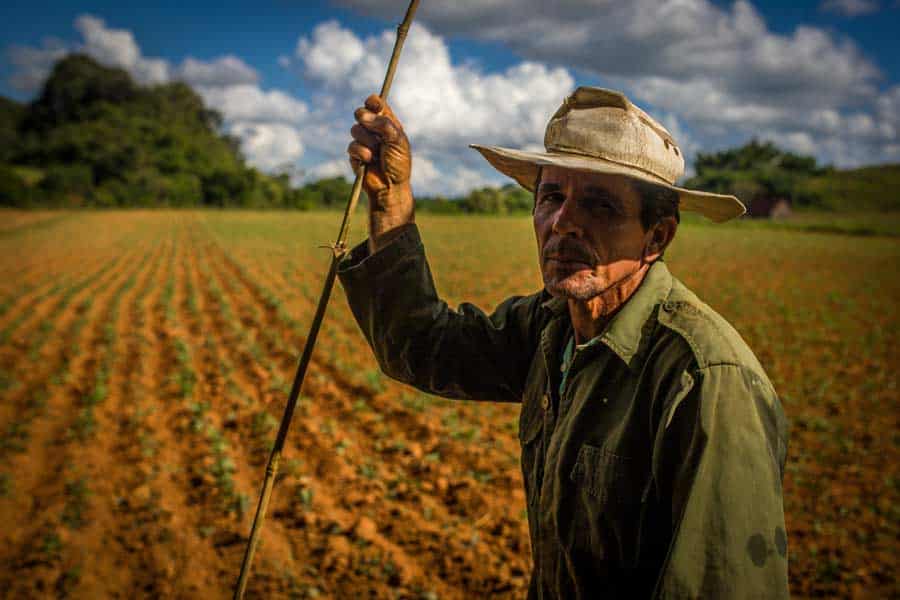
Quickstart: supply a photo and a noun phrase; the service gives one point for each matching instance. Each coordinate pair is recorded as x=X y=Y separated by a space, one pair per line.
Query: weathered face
x=588 y=231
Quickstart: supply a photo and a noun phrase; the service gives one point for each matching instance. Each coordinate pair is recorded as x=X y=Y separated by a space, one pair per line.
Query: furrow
x=333 y=482
x=422 y=427
x=393 y=461
x=39 y=373
x=52 y=490
x=33 y=320
x=234 y=454
x=107 y=534
x=191 y=568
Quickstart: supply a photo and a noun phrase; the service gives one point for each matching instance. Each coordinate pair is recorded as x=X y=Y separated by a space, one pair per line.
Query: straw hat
x=602 y=131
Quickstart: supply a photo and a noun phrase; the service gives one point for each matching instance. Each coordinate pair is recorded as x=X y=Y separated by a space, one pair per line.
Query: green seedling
x=77 y=493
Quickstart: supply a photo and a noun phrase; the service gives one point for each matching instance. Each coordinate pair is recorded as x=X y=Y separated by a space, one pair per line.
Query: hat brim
x=523 y=167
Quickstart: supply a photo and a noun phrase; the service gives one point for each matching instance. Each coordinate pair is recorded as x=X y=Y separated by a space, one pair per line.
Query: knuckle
x=374 y=102
x=360 y=134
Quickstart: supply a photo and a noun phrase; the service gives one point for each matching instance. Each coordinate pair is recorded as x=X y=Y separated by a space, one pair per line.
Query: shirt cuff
x=359 y=262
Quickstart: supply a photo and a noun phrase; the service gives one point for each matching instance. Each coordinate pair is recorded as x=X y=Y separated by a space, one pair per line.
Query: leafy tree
x=754 y=170
x=11 y=113
x=130 y=145
x=13 y=190
x=75 y=89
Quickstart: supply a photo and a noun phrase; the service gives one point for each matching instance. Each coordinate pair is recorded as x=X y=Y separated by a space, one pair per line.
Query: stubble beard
x=576 y=286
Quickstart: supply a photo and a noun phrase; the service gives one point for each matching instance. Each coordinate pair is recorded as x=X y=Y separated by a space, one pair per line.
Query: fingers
x=359 y=153
x=381 y=125
x=381 y=122
x=374 y=103
x=375 y=125
x=380 y=106
x=364 y=136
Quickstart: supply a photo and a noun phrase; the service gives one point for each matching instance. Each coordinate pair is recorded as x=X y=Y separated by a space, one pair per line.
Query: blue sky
x=819 y=77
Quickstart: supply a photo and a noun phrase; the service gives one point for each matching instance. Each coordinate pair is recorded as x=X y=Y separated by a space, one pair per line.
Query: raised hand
x=380 y=144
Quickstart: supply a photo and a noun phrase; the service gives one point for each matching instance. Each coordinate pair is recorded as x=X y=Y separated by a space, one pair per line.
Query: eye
x=552 y=198
x=600 y=207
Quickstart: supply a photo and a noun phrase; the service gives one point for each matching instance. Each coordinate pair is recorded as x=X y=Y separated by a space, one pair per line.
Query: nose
x=566 y=220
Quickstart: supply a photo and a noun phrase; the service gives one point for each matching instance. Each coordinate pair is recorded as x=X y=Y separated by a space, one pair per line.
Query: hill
x=760 y=173
x=875 y=188
x=93 y=137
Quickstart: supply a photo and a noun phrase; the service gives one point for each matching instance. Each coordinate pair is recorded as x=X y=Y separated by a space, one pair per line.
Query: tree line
x=95 y=138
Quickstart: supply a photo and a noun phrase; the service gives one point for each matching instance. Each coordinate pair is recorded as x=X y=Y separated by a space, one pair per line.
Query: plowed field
x=145 y=358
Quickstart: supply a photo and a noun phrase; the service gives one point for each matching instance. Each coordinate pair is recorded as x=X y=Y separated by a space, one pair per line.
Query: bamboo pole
x=338 y=251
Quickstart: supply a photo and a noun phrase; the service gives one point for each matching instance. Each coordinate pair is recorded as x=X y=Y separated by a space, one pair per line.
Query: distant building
x=772 y=207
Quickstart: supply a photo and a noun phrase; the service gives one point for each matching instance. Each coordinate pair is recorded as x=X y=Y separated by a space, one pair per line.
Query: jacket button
x=545 y=401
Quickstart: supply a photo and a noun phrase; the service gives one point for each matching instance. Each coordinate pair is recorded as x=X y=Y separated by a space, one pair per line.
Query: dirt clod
x=365 y=529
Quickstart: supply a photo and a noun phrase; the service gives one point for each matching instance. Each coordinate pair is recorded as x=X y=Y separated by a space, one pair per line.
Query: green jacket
x=655 y=472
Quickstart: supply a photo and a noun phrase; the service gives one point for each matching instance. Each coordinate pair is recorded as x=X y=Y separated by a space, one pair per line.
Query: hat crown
x=602 y=123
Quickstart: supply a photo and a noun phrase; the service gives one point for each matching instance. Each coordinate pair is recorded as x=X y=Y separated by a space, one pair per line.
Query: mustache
x=569 y=249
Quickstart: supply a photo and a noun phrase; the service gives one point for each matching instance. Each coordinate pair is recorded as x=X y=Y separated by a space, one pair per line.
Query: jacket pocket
x=602 y=474
x=607 y=504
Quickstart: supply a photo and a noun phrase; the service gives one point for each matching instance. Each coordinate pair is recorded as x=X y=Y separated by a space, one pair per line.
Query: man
x=653 y=444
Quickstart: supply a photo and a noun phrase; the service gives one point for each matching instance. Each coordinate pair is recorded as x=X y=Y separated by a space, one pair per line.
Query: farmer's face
x=588 y=231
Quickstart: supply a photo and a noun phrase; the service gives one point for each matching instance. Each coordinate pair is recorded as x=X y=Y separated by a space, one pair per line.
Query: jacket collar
x=625 y=332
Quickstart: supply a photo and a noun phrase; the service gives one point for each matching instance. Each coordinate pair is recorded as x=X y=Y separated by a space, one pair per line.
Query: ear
x=660 y=236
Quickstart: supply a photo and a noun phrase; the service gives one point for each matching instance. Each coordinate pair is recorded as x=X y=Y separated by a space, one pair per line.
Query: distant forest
x=95 y=138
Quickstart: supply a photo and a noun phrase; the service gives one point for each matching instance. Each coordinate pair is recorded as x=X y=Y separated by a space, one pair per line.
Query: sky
x=819 y=77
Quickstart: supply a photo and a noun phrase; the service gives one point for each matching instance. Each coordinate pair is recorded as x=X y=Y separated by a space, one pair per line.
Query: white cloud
x=32 y=65
x=719 y=69
x=443 y=106
x=850 y=8
x=269 y=146
x=331 y=53
x=449 y=180
x=266 y=122
x=223 y=71
x=440 y=103
x=330 y=168
x=249 y=103
x=118 y=48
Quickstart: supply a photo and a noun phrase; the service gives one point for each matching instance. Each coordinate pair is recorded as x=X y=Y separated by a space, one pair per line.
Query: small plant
x=368 y=470
x=416 y=403
x=374 y=380
x=77 y=493
x=305 y=496
x=84 y=425
x=51 y=546
x=290 y=468
x=15 y=438
x=262 y=423
x=37 y=401
x=148 y=445
x=6 y=381
x=185 y=377
x=198 y=415
x=68 y=580
x=481 y=476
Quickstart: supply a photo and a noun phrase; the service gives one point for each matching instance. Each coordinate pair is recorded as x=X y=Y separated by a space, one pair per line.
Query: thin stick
x=339 y=250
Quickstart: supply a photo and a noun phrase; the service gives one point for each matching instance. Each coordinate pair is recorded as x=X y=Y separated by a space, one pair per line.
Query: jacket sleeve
x=726 y=444
x=419 y=340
